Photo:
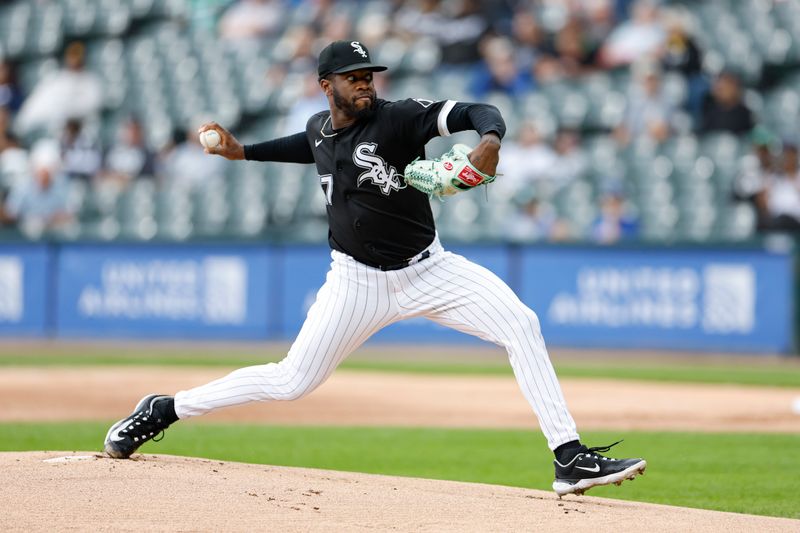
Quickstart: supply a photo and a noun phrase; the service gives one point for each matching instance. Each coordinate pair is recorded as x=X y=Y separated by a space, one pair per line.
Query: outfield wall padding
x=712 y=299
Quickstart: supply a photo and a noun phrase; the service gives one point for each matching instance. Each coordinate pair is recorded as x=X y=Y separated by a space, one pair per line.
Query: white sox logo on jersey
x=359 y=49
x=379 y=173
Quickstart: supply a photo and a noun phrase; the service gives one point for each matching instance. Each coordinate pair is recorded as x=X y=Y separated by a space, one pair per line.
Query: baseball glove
x=446 y=175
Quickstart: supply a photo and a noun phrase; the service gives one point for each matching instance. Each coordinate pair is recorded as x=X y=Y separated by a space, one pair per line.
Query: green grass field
x=747 y=473
x=785 y=374
x=753 y=474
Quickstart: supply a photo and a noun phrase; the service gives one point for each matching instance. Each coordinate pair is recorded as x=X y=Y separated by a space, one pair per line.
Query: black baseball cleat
x=590 y=469
x=147 y=421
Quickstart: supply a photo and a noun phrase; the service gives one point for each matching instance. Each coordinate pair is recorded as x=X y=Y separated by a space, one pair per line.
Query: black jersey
x=372 y=214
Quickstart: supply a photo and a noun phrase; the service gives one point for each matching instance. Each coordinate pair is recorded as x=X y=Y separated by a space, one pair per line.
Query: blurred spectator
x=373 y=29
x=724 y=109
x=464 y=27
x=573 y=49
x=457 y=26
x=14 y=167
x=622 y=9
x=600 y=19
x=532 y=220
x=311 y=100
x=81 y=158
x=40 y=203
x=5 y=125
x=10 y=94
x=527 y=159
x=250 y=20
x=529 y=37
x=569 y=54
x=757 y=167
x=422 y=17
x=499 y=71
x=313 y=12
x=571 y=160
x=186 y=165
x=616 y=221
x=640 y=37
x=680 y=54
x=71 y=92
x=648 y=109
x=295 y=49
x=336 y=26
x=779 y=202
x=129 y=157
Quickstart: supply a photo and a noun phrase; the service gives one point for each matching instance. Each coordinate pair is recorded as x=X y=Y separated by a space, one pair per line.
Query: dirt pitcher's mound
x=46 y=491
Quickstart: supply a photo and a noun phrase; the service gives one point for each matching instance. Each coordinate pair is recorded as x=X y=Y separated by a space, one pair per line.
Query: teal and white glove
x=446 y=175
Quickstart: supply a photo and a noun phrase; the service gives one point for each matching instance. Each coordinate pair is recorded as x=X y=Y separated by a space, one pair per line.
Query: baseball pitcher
x=387 y=263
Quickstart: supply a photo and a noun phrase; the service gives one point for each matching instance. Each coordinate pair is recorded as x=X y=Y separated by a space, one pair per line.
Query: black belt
x=416 y=259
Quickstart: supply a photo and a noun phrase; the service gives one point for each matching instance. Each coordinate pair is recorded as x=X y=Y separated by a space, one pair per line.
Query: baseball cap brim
x=359 y=66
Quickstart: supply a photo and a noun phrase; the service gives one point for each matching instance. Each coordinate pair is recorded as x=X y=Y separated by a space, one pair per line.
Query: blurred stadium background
x=636 y=121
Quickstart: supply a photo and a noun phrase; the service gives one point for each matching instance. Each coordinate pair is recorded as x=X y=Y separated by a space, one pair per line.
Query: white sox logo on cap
x=358 y=49
x=344 y=56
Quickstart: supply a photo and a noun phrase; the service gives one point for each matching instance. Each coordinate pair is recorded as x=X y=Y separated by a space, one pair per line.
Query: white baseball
x=210 y=138
x=796 y=405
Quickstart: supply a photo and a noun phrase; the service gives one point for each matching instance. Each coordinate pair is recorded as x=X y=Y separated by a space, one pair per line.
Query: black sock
x=167 y=409
x=567 y=451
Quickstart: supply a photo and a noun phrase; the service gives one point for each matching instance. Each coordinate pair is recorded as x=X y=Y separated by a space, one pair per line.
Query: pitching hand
x=229 y=147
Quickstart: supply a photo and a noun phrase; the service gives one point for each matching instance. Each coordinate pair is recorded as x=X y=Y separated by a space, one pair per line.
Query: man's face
x=727 y=90
x=44 y=177
x=353 y=93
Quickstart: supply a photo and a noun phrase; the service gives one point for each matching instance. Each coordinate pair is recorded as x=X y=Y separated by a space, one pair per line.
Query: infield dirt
x=46 y=491
x=396 y=399
x=165 y=493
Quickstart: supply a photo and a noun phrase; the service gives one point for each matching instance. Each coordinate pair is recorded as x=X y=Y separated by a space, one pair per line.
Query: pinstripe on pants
x=357 y=300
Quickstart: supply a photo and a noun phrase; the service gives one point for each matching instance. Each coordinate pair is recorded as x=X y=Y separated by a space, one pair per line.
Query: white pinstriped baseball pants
x=357 y=300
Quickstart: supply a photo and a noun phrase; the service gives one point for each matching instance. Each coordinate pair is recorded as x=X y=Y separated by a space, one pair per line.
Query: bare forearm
x=486 y=155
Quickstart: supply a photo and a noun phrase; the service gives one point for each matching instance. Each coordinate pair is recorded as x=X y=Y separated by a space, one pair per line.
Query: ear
x=326 y=85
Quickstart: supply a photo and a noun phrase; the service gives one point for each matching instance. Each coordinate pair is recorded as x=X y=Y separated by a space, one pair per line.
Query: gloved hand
x=446 y=175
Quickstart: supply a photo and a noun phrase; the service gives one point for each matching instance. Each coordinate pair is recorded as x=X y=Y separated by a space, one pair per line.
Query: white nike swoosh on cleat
x=317 y=142
x=596 y=468
x=113 y=432
x=562 y=487
x=115 y=436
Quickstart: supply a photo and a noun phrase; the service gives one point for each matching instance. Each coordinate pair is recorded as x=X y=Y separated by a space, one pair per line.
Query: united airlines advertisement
x=673 y=298
x=177 y=292
x=662 y=298
x=24 y=290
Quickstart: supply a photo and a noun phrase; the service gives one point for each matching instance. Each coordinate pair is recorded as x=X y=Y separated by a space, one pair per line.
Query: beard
x=350 y=108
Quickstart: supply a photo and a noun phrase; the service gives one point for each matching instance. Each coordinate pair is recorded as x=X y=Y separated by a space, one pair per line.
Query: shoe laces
x=140 y=426
x=598 y=450
x=603 y=449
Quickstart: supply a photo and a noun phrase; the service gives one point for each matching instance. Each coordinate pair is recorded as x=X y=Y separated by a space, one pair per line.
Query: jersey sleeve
x=421 y=120
x=483 y=118
x=291 y=149
x=425 y=119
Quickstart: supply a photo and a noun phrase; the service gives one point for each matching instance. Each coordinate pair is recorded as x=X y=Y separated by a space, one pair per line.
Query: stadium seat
x=136 y=211
x=737 y=222
x=154 y=62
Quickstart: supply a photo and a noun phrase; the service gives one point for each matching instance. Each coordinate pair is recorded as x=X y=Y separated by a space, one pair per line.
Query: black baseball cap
x=345 y=56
